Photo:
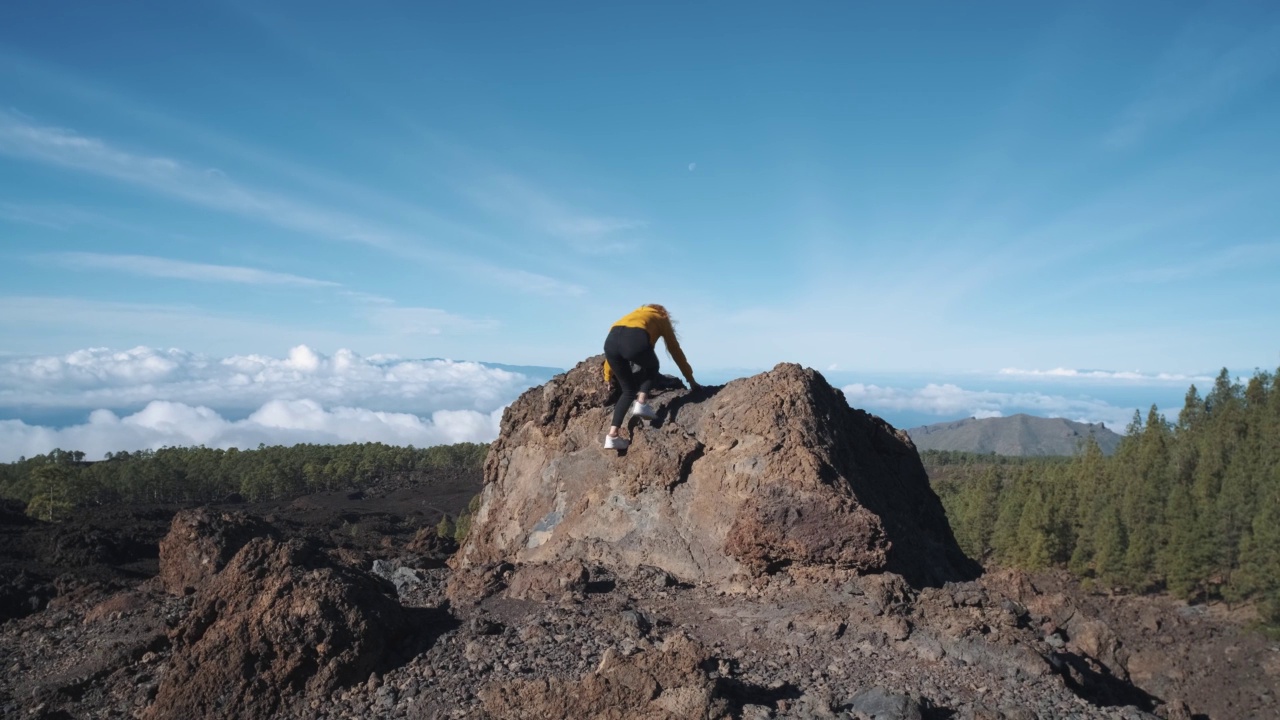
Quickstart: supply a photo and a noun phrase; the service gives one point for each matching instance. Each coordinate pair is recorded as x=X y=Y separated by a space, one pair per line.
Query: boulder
x=548 y=582
x=280 y=621
x=767 y=472
x=201 y=542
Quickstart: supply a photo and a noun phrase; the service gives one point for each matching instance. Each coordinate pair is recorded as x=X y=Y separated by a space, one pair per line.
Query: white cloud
x=104 y=378
x=1128 y=375
x=282 y=422
x=948 y=400
x=29 y=321
x=150 y=266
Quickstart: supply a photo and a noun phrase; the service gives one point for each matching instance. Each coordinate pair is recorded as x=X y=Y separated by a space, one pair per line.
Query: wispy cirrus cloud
x=382 y=313
x=81 y=320
x=585 y=231
x=150 y=266
x=1203 y=71
x=208 y=187
x=172 y=178
x=424 y=321
x=1232 y=258
x=21 y=315
x=54 y=218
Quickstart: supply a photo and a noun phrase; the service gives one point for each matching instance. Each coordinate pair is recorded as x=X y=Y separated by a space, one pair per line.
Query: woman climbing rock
x=631 y=341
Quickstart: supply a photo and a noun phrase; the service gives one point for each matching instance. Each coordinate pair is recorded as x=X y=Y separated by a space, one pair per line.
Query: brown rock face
x=764 y=473
x=281 y=620
x=200 y=543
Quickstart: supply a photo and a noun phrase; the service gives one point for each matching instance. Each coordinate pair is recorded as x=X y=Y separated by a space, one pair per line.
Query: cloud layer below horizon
x=102 y=378
x=278 y=422
x=150 y=398
x=946 y=401
x=100 y=400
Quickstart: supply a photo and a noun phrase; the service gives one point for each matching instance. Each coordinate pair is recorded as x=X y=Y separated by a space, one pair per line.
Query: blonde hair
x=663 y=312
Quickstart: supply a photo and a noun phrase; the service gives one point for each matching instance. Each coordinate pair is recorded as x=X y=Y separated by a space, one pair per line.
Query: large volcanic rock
x=279 y=622
x=767 y=472
x=201 y=542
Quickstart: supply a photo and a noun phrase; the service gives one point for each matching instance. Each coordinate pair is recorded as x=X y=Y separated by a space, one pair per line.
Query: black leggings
x=624 y=346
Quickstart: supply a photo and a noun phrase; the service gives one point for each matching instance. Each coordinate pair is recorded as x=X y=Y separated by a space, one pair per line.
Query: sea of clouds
x=151 y=398
x=1088 y=396
x=947 y=401
x=98 y=400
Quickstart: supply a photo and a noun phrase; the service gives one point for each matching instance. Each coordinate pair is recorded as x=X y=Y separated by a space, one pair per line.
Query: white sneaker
x=615 y=443
x=644 y=410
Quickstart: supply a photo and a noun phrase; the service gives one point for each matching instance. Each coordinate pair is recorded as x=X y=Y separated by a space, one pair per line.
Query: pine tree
x=1090 y=474
x=53 y=497
x=985 y=509
x=1144 y=500
x=1112 y=544
x=1038 y=540
x=1188 y=558
x=1004 y=536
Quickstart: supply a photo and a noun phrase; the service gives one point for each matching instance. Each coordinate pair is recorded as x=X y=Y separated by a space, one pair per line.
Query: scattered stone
x=879 y=704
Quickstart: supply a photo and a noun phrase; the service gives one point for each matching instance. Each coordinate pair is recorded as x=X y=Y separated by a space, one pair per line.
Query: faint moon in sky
x=693 y=166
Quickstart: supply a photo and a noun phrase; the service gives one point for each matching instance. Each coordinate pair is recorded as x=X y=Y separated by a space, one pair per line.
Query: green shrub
x=446 y=527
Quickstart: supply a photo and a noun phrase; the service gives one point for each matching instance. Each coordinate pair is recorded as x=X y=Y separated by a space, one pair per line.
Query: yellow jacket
x=658 y=326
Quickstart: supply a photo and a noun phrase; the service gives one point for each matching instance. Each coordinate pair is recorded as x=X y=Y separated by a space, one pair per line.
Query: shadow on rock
x=1099 y=686
x=740 y=694
x=670 y=412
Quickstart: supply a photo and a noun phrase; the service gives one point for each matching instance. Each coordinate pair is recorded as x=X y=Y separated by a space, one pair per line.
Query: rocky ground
x=336 y=606
x=1005 y=645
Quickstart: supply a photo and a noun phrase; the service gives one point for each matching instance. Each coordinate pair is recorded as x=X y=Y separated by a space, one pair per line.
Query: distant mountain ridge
x=534 y=371
x=1020 y=434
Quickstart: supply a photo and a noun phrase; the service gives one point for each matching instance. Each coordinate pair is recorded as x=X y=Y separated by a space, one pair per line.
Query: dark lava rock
x=281 y=621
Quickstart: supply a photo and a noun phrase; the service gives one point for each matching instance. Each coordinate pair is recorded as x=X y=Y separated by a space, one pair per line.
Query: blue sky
x=898 y=194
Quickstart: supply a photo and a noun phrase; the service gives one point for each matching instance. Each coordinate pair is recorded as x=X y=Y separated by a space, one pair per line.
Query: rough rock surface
x=200 y=543
x=280 y=620
x=664 y=683
x=728 y=483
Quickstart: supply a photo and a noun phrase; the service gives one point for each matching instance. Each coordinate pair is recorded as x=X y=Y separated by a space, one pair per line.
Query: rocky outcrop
x=728 y=483
x=201 y=542
x=280 y=621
